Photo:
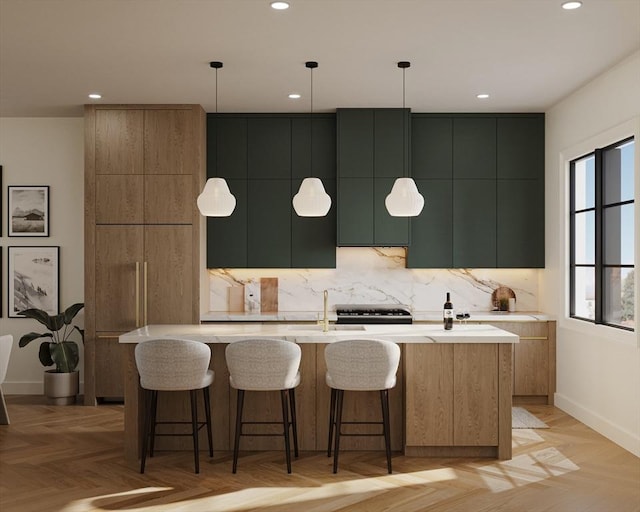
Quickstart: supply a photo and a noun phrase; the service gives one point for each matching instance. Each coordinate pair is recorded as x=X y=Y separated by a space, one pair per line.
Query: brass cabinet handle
x=107 y=337
x=534 y=338
x=145 y=298
x=137 y=294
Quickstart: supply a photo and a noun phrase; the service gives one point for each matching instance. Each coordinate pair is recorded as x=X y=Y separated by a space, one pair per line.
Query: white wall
x=598 y=368
x=44 y=151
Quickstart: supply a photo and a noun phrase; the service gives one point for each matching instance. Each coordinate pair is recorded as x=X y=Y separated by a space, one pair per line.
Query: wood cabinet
x=144 y=166
x=534 y=361
x=453 y=396
x=264 y=159
x=372 y=150
x=491 y=214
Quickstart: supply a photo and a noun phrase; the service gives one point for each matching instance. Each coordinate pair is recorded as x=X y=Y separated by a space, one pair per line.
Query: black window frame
x=599 y=236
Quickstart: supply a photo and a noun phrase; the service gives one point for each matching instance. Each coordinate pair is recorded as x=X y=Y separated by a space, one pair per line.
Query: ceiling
x=527 y=54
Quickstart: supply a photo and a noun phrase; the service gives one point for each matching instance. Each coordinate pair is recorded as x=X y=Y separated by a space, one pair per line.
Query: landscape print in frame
x=28 y=208
x=33 y=279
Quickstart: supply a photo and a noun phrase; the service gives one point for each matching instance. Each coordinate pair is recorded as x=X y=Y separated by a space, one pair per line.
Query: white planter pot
x=61 y=388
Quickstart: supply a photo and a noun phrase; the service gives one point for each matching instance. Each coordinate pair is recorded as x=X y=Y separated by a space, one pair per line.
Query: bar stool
x=6 y=343
x=360 y=365
x=174 y=365
x=265 y=365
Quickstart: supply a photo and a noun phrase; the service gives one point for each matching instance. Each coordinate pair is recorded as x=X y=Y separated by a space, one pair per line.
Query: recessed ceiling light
x=571 y=5
x=95 y=96
x=482 y=96
x=279 y=6
x=294 y=96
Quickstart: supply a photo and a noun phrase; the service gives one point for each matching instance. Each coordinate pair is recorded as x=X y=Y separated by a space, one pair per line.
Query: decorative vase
x=61 y=388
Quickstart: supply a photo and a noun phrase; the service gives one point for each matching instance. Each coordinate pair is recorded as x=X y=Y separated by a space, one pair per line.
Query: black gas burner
x=373 y=314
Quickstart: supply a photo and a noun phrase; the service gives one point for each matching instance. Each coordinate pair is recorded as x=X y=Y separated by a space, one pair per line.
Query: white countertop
x=418 y=316
x=300 y=333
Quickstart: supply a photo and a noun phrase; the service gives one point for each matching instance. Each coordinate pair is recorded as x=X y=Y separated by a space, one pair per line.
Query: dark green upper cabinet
x=432 y=231
x=474 y=224
x=474 y=148
x=431 y=147
x=226 y=147
x=373 y=150
x=484 y=191
x=521 y=147
x=355 y=143
x=269 y=148
x=520 y=224
x=319 y=160
x=271 y=153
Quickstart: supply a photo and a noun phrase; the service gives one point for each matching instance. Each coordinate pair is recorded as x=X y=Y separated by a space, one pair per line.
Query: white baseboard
x=27 y=388
x=628 y=440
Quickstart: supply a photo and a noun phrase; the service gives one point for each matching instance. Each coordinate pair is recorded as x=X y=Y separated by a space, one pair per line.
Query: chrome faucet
x=325 y=318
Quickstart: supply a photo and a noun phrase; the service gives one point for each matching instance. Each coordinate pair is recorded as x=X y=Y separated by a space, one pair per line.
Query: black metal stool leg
x=285 y=424
x=236 y=444
x=294 y=420
x=332 y=420
x=336 y=449
x=384 y=399
x=207 y=412
x=147 y=429
x=194 y=426
x=154 y=415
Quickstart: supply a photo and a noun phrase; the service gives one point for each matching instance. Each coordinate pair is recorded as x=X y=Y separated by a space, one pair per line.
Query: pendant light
x=404 y=199
x=311 y=200
x=216 y=200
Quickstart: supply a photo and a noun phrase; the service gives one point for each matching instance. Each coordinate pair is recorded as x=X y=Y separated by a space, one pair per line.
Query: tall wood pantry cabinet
x=144 y=167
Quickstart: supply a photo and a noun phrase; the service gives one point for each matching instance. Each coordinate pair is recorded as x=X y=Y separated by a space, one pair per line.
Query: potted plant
x=62 y=384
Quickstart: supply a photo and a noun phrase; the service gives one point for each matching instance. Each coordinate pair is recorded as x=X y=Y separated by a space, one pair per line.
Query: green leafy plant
x=59 y=350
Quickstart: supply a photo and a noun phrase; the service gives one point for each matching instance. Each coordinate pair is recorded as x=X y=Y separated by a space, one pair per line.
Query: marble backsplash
x=365 y=275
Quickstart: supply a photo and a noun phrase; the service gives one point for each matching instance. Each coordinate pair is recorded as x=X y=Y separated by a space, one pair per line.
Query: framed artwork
x=33 y=279
x=28 y=208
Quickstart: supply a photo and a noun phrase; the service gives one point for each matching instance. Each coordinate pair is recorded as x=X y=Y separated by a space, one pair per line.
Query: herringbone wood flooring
x=70 y=459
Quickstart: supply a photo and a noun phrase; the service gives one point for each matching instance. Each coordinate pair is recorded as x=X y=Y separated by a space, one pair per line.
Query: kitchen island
x=453 y=396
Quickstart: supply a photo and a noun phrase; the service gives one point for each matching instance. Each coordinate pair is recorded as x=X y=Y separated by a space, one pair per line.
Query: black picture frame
x=28 y=210
x=33 y=274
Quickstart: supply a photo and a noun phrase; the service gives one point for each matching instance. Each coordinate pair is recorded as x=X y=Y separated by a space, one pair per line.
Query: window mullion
x=599 y=274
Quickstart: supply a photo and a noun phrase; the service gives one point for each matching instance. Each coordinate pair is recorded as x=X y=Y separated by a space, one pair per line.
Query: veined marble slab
x=366 y=275
x=416 y=333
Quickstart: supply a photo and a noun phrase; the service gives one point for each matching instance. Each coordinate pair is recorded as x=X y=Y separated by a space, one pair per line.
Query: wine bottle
x=448 y=313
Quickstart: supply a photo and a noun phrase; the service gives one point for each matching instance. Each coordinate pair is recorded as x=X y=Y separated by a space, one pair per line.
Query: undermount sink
x=332 y=327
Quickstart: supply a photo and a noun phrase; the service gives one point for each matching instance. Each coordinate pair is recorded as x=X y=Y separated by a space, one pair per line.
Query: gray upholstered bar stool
x=174 y=365
x=6 y=342
x=360 y=365
x=265 y=365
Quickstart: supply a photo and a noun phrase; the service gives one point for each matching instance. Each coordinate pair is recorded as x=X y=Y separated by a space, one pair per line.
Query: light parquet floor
x=69 y=459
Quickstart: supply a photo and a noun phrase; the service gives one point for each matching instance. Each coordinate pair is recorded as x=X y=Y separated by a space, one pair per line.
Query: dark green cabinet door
x=269 y=148
x=474 y=223
x=269 y=224
x=355 y=143
x=432 y=230
x=521 y=147
x=474 y=148
x=323 y=154
x=227 y=236
x=520 y=223
x=391 y=142
x=313 y=239
x=431 y=147
x=387 y=230
x=226 y=147
x=355 y=212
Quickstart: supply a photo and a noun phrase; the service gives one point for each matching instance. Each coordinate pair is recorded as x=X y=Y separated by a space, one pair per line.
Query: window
x=602 y=236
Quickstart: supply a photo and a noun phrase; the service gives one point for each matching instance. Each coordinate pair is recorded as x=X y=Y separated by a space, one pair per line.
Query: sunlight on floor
x=526 y=469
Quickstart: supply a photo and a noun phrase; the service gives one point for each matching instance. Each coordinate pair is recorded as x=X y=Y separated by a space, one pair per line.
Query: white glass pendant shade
x=311 y=200
x=216 y=200
x=404 y=199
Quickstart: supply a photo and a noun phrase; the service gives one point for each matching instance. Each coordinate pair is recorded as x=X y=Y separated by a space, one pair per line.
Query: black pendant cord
x=311 y=65
x=216 y=65
x=404 y=65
